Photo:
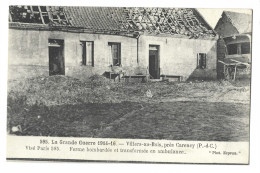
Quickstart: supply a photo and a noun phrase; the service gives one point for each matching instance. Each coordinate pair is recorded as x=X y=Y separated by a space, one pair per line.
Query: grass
x=65 y=106
x=81 y=120
x=173 y=121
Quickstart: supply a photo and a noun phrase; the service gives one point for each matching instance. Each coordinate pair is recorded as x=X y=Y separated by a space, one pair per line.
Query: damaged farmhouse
x=111 y=83
x=121 y=42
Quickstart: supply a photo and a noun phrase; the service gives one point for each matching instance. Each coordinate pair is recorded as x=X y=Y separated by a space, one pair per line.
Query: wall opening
x=202 y=60
x=115 y=51
x=232 y=49
x=245 y=48
x=238 y=48
x=56 y=57
x=154 y=61
x=87 y=53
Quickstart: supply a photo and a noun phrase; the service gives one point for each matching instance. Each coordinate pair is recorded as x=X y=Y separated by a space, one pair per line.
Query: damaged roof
x=241 y=21
x=115 y=20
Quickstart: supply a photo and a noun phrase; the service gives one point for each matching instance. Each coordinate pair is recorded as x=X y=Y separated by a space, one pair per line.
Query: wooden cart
x=230 y=68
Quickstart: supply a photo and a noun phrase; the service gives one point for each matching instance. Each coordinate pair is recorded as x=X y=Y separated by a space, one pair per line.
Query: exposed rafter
x=130 y=20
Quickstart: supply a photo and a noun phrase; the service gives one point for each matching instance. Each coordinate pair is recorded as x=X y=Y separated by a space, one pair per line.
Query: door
x=56 y=58
x=154 y=61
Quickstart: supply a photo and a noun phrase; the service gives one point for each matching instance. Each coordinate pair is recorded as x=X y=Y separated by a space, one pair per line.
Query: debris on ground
x=149 y=94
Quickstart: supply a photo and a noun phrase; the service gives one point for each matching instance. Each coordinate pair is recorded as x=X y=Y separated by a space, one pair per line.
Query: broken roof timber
x=176 y=22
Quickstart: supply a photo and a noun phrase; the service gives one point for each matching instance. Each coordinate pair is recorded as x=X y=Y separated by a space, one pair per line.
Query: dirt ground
x=195 y=110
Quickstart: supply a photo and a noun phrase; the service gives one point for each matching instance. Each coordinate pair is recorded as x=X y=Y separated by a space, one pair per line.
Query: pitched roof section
x=173 y=21
x=242 y=22
x=96 y=18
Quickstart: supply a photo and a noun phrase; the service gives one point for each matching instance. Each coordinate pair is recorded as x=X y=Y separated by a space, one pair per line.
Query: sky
x=212 y=15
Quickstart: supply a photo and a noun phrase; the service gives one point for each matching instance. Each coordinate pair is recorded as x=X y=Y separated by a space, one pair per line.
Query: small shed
x=234 y=45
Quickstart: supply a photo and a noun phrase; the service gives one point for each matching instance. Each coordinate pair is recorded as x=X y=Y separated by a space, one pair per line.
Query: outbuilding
x=234 y=45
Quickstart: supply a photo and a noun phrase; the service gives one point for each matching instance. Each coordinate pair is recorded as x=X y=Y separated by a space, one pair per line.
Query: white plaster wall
x=178 y=56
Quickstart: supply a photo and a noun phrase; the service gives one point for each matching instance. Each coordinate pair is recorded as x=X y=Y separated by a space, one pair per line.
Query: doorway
x=154 y=61
x=56 y=57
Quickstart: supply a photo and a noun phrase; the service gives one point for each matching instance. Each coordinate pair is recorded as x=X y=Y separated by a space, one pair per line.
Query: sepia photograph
x=130 y=73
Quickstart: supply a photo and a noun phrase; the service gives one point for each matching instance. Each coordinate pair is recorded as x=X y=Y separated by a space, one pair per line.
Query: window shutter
x=89 y=52
x=204 y=63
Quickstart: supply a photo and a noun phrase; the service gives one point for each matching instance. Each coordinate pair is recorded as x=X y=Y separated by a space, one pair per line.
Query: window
x=201 y=60
x=232 y=49
x=245 y=48
x=115 y=52
x=87 y=53
x=238 y=48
